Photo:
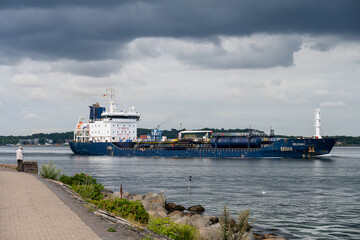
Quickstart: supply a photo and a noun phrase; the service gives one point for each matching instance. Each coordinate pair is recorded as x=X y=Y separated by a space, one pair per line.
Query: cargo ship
x=114 y=133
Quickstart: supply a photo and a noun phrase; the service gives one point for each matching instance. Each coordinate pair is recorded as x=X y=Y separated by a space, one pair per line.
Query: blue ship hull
x=283 y=148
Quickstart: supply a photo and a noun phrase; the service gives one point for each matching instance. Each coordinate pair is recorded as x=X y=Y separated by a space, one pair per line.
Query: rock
x=176 y=214
x=155 y=197
x=161 y=212
x=116 y=195
x=272 y=236
x=188 y=214
x=146 y=205
x=151 y=213
x=196 y=208
x=106 y=192
x=150 y=195
x=197 y=221
x=183 y=220
x=173 y=207
x=138 y=197
x=210 y=233
x=211 y=219
x=126 y=195
x=155 y=206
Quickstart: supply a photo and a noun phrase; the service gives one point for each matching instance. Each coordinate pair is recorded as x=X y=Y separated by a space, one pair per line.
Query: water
x=303 y=199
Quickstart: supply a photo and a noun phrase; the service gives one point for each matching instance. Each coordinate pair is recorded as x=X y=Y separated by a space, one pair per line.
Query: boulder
x=116 y=195
x=211 y=219
x=197 y=221
x=151 y=213
x=176 y=214
x=126 y=195
x=196 y=208
x=146 y=205
x=173 y=207
x=138 y=197
x=272 y=236
x=155 y=206
x=188 y=214
x=106 y=192
x=183 y=220
x=210 y=233
x=161 y=212
x=155 y=197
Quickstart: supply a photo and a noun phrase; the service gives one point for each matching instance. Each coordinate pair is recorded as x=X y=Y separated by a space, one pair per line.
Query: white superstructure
x=317 y=123
x=112 y=126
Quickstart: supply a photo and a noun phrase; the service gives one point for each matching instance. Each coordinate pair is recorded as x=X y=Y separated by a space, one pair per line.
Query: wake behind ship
x=114 y=133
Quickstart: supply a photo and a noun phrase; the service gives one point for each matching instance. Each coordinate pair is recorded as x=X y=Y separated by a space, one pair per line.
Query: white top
x=19 y=154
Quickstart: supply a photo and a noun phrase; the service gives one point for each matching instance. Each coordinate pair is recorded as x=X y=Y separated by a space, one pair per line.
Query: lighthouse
x=317 y=123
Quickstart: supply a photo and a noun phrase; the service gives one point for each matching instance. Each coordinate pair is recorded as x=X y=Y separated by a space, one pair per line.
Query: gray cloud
x=256 y=51
x=93 y=30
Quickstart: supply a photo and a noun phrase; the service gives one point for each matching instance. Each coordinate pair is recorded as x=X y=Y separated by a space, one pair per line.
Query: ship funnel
x=317 y=123
x=95 y=112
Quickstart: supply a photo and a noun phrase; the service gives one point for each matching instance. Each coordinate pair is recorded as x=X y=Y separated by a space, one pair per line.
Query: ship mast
x=317 y=123
x=111 y=95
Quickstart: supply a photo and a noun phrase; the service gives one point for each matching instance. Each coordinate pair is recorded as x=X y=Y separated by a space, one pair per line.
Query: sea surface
x=297 y=198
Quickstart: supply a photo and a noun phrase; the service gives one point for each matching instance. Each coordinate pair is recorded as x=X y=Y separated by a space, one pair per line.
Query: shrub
x=234 y=230
x=124 y=208
x=77 y=179
x=85 y=185
x=92 y=191
x=173 y=230
x=226 y=228
x=50 y=171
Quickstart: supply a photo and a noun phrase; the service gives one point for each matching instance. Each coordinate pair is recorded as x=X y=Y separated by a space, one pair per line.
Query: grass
x=231 y=229
x=50 y=171
x=111 y=229
x=164 y=226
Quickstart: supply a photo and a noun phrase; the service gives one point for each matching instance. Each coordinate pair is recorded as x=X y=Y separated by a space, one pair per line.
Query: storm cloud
x=202 y=63
x=98 y=30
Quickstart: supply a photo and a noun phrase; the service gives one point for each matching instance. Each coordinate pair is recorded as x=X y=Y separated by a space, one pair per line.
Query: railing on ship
x=195 y=149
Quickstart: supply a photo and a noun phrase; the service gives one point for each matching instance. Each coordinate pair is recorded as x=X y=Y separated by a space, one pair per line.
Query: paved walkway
x=30 y=210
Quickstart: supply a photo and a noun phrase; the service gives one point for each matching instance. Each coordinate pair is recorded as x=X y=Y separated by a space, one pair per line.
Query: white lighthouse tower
x=317 y=123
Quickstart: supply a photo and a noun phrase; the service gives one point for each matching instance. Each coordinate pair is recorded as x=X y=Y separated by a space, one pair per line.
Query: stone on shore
x=196 y=208
x=176 y=214
x=211 y=219
x=138 y=197
x=198 y=221
x=106 y=192
x=173 y=207
x=210 y=232
x=188 y=214
x=155 y=197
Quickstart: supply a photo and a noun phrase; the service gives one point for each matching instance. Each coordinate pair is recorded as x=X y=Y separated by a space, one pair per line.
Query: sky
x=202 y=63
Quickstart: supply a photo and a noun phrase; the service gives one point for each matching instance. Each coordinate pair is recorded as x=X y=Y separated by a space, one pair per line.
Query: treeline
x=60 y=138
x=346 y=140
x=55 y=138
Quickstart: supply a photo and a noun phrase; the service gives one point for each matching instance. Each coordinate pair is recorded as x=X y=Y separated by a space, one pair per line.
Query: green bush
x=173 y=230
x=92 y=191
x=50 y=171
x=77 y=179
x=124 y=208
x=85 y=185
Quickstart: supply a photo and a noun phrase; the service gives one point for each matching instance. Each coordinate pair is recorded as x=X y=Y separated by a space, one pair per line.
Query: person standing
x=20 y=159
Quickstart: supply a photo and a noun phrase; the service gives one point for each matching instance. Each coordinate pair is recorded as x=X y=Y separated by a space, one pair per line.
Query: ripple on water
x=301 y=199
